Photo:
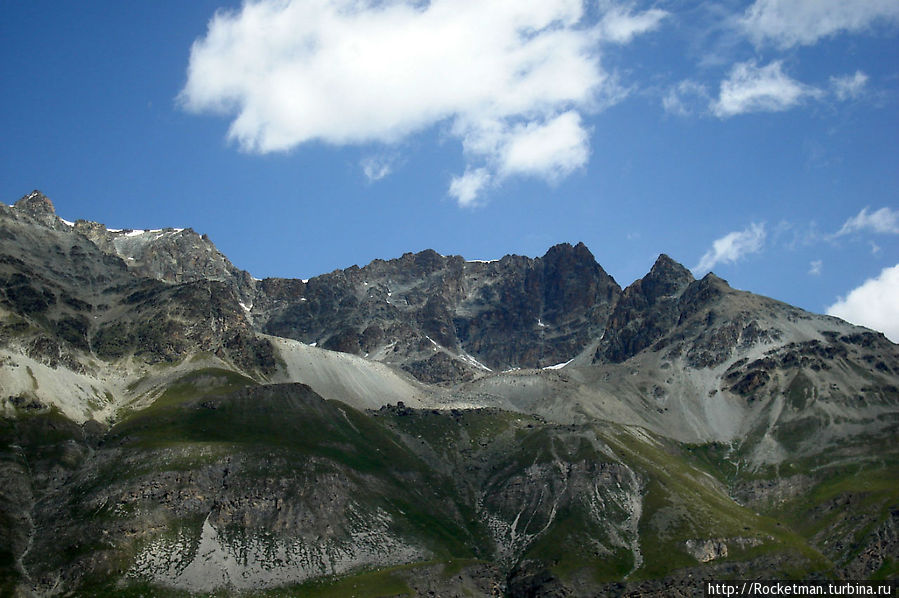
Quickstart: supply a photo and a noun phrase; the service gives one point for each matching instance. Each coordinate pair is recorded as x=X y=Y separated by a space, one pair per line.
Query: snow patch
x=66 y=222
x=472 y=361
x=558 y=366
x=159 y=232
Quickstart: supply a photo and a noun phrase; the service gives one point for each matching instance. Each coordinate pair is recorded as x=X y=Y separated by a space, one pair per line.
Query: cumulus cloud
x=787 y=23
x=344 y=72
x=874 y=304
x=849 y=87
x=883 y=221
x=732 y=247
x=552 y=149
x=750 y=88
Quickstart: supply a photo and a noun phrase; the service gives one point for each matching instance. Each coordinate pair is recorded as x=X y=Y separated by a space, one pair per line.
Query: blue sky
x=758 y=139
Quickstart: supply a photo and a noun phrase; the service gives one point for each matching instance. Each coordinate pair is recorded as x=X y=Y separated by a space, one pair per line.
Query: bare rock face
x=647 y=310
x=72 y=298
x=707 y=550
x=38 y=208
x=515 y=312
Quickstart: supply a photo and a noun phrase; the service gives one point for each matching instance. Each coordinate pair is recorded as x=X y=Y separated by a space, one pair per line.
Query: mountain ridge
x=519 y=427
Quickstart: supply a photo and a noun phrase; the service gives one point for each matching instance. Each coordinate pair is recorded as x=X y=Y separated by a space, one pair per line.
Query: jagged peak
x=580 y=250
x=666 y=268
x=35 y=204
x=666 y=278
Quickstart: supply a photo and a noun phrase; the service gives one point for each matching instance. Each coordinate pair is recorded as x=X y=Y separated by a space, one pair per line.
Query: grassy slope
x=292 y=422
x=211 y=413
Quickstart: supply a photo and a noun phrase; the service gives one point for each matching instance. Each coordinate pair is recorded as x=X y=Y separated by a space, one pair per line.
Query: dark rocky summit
x=423 y=426
x=516 y=312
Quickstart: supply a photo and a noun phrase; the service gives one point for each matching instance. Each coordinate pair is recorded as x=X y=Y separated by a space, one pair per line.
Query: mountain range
x=424 y=425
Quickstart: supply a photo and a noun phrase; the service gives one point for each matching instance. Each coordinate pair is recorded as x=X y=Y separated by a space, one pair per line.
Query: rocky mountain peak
x=578 y=252
x=35 y=204
x=666 y=278
x=426 y=262
x=38 y=207
x=667 y=268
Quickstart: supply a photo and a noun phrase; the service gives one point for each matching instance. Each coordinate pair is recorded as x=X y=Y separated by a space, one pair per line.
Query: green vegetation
x=371 y=584
x=800 y=391
x=572 y=544
x=288 y=426
x=682 y=503
x=201 y=383
x=849 y=501
x=407 y=463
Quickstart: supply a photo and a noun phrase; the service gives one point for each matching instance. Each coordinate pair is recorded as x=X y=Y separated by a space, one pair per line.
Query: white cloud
x=815 y=267
x=787 y=23
x=874 y=304
x=849 y=87
x=361 y=71
x=732 y=247
x=549 y=150
x=620 y=25
x=686 y=98
x=750 y=88
x=376 y=168
x=466 y=188
x=884 y=221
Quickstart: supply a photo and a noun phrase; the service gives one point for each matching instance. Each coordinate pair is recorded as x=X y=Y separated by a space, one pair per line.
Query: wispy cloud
x=686 y=98
x=883 y=221
x=377 y=167
x=787 y=23
x=620 y=24
x=815 y=267
x=874 y=304
x=732 y=247
x=750 y=88
x=500 y=74
x=849 y=87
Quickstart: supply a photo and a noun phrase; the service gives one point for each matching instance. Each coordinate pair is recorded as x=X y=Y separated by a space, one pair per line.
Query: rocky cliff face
x=67 y=305
x=440 y=317
x=423 y=426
